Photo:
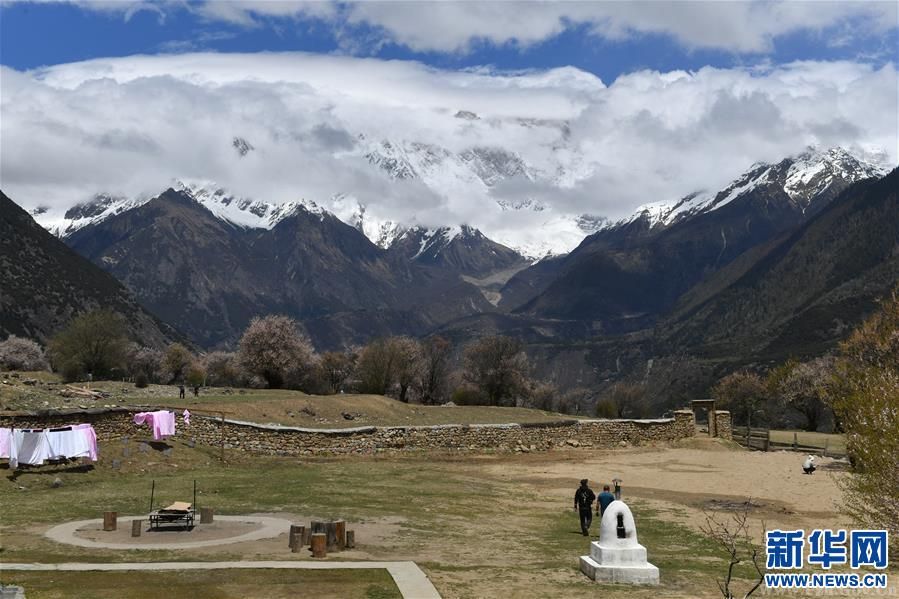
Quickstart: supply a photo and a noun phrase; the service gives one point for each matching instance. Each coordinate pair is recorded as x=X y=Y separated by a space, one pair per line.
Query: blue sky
x=35 y=34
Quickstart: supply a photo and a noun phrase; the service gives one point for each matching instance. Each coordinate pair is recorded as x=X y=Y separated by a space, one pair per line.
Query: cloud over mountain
x=560 y=139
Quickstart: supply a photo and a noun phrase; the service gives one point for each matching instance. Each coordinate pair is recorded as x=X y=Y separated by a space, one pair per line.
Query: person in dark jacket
x=583 y=501
x=605 y=498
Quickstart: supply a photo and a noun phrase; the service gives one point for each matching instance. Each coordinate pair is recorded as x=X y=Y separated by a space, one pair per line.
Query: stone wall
x=723 y=427
x=277 y=440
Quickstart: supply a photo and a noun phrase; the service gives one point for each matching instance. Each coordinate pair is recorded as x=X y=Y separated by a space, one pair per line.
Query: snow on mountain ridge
x=802 y=177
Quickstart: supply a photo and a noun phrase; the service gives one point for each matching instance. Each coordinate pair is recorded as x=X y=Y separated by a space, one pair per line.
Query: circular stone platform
x=223 y=531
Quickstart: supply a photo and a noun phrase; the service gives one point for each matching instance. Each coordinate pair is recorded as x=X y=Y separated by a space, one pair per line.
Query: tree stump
x=206 y=515
x=331 y=536
x=350 y=539
x=319 y=544
x=296 y=541
x=340 y=529
x=307 y=535
x=109 y=520
x=136 y=527
x=317 y=527
x=294 y=529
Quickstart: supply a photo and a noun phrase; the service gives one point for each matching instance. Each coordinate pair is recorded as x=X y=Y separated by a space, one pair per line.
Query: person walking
x=181 y=391
x=583 y=501
x=603 y=501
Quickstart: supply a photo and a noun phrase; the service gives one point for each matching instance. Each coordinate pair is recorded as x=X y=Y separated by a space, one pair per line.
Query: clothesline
x=36 y=446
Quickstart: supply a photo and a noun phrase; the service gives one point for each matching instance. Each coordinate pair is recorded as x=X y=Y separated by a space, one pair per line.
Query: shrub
x=606 y=408
x=467 y=396
x=140 y=381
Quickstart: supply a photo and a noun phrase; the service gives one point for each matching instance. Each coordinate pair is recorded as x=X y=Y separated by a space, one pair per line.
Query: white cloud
x=455 y=26
x=131 y=125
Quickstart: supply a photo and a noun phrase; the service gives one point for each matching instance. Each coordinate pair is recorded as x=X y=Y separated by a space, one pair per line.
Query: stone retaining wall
x=115 y=423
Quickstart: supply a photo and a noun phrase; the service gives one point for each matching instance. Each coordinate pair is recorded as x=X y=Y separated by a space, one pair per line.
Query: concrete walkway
x=411 y=581
x=268 y=528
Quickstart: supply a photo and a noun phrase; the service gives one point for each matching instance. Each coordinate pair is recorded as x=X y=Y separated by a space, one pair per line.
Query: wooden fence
x=759 y=439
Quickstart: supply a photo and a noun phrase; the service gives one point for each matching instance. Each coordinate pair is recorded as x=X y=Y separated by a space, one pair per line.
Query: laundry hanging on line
x=162 y=422
x=36 y=446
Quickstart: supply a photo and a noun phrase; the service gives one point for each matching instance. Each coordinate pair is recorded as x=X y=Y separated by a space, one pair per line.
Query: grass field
x=480 y=526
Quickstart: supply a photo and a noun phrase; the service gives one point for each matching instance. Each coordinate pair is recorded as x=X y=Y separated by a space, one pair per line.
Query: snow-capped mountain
x=803 y=178
x=474 y=172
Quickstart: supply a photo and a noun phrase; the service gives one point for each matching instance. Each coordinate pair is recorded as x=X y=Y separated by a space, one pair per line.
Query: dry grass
x=835 y=443
x=291 y=408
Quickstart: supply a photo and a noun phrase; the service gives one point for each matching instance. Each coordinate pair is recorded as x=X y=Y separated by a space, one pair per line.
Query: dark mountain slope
x=45 y=284
x=210 y=277
x=465 y=250
x=804 y=293
x=626 y=277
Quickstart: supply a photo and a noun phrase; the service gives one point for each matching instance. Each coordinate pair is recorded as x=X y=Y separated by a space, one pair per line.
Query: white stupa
x=617 y=556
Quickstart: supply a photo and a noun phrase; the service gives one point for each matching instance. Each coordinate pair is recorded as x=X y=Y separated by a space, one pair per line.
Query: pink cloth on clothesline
x=186 y=417
x=5 y=436
x=162 y=422
x=90 y=436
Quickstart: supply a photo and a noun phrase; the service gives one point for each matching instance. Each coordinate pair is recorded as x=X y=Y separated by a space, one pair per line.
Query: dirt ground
x=702 y=477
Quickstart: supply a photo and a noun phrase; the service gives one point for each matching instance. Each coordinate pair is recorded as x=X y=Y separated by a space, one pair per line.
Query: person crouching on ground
x=583 y=501
x=605 y=498
x=808 y=466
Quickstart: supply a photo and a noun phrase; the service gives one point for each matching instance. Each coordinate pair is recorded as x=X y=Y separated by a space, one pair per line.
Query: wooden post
x=136 y=527
x=296 y=541
x=319 y=544
x=222 y=439
x=795 y=440
x=350 y=539
x=331 y=535
x=294 y=529
x=826 y=443
x=207 y=515
x=109 y=520
x=768 y=440
x=340 y=529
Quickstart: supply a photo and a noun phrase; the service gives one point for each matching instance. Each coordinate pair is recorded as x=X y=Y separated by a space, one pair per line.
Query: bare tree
x=498 y=367
x=435 y=364
x=743 y=393
x=623 y=400
x=222 y=368
x=335 y=369
x=388 y=365
x=274 y=349
x=733 y=538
